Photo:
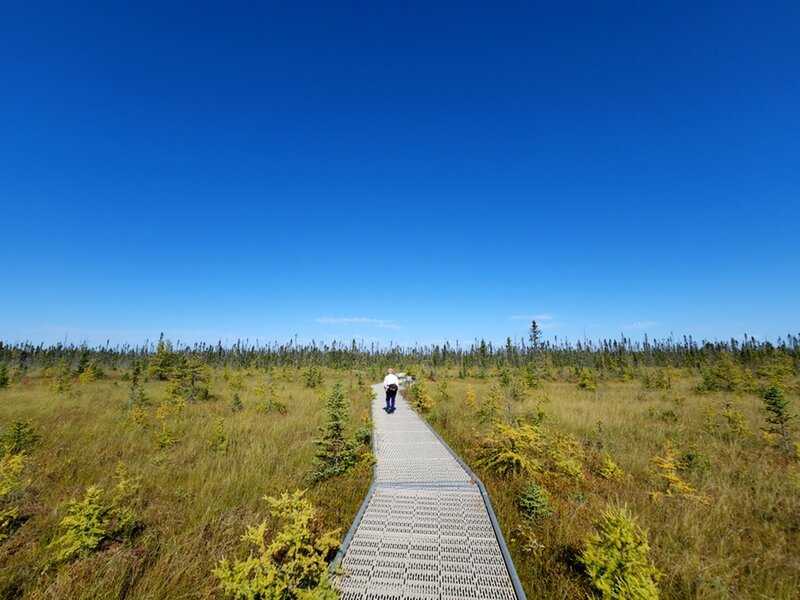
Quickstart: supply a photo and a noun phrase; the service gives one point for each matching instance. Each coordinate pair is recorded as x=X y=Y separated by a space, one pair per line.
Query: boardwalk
x=425 y=532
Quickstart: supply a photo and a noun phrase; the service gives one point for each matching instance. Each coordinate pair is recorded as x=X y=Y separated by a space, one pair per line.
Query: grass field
x=718 y=500
x=193 y=504
x=740 y=539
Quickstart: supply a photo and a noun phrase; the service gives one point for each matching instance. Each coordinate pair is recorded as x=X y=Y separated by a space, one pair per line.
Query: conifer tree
x=335 y=453
x=164 y=360
x=83 y=361
x=617 y=560
x=777 y=404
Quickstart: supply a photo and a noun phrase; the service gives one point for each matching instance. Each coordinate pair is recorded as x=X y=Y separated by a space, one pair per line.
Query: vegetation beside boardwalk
x=616 y=469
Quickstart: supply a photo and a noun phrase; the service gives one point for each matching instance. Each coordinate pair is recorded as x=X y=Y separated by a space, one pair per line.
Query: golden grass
x=743 y=544
x=194 y=504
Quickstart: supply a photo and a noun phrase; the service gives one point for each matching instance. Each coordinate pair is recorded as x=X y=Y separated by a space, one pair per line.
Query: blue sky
x=398 y=171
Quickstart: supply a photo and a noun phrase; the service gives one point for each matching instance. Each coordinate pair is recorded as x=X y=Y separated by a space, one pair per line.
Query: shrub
x=164 y=361
x=469 y=396
x=534 y=502
x=167 y=436
x=693 y=461
x=11 y=466
x=491 y=408
x=659 y=379
x=363 y=436
x=61 y=377
x=136 y=395
x=779 y=409
x=444 y=394
x=587 y=379
x=292 y=565
x=235 y=380
x=18 y=438
x=268 y=398
x=608 y=469
x=421 y=399
x=509 y=449
x=563 y=455
x=668 y=466
x=313 y=377
x=726 y=375
x=219 y=440
x=189 y=380
x=727 y=422
x=3 y=376
x=96 y=519
x=236 y=403
x=616 y=558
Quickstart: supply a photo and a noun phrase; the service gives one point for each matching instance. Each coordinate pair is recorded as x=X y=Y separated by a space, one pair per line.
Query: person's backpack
x=392 y=387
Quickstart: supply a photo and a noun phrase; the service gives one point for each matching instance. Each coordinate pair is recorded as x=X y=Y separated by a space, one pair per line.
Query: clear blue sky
x=407 y=172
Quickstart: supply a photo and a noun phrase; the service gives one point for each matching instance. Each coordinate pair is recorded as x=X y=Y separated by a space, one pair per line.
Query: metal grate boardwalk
x=424 y=532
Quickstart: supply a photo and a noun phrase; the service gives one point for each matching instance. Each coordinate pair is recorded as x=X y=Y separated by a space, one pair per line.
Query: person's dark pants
x=390 y=399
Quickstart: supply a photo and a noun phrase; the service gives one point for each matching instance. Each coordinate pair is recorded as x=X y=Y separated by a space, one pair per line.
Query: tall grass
x=194 y=503
x=742 y=543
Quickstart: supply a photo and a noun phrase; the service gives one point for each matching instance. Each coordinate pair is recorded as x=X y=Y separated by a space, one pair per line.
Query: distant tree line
x=606 y=356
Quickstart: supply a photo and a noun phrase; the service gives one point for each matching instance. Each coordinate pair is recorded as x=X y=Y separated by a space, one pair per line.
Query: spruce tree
x=777 y=404
x=335 y=453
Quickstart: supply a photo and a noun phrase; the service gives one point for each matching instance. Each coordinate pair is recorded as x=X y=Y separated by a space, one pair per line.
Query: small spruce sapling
x=11 y=482
x=136 y=395
x=19 y=438
x=534 y=502
x=336 y=454
x=780 y=416
x=3 y=376
x=219 y=439
x=292 y=565
x=99 y=517
x=616 y=558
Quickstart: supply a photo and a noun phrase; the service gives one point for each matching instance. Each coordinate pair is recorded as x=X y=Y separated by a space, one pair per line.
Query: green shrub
x=491 y=408
x=292 y=565
x=3 y=376
x=780 y=415
x=219 y=439
x=11 y=466
x=136 y=395
x=96 y=519
x=236 y=403
x=726 y=375
x=534 y=502
x=167 y=436
x=587 y=379
x=421 y=399
x=268 y=400
x=509 y=450
x=608 y=469
x=616 y=558
x=189 y=380
x=363 y=435
x=313 y=377
x=693 y=461
x=18 y=438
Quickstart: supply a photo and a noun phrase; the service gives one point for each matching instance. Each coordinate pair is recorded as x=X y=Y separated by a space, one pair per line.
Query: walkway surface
x=426 y=533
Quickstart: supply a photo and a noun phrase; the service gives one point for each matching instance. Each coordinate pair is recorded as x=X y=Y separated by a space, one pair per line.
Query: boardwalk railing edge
x=360 y=514
x=512 y=571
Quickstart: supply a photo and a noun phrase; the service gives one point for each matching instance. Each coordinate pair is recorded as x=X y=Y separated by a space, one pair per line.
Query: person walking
x=391 y=384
